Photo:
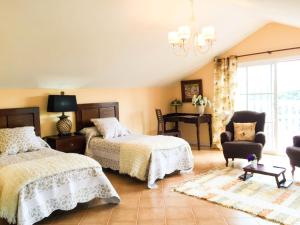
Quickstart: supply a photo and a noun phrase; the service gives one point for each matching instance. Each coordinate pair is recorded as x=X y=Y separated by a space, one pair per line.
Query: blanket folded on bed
x=15 y=176
x=135 y=155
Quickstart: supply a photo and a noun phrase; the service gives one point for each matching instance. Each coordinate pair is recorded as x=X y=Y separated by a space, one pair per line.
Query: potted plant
x=201 y=102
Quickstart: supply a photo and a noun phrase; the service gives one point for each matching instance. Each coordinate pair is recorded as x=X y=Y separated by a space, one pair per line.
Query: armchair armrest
x=296 y=141
x=260 y=137
x=226 y=136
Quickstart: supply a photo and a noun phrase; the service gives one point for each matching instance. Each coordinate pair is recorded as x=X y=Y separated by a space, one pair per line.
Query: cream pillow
x=244 y=131
x=90 y=132
x=110 y=127
x=19 y=139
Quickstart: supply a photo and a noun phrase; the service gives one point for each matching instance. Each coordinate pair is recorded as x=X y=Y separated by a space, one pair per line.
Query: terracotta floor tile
x=131 y=195
x=152 y=203
x=181 y=222
x=179 y=213
x=212 y=222
x=122 y=223
x=202 y=213
x=129 y=202
x=151 y=214
x=97 y=215
x=68 y=218
x=180 y=201
x=123 y=215
x=152 y=194
x=151 y=222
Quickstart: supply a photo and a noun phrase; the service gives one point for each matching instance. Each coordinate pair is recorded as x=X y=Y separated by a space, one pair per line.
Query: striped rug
x=258 y=196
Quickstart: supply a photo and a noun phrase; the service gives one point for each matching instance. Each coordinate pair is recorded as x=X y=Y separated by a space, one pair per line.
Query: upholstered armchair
x=241 y=149
x=293 y=153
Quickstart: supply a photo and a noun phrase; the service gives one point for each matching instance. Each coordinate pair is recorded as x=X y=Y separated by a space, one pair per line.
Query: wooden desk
x=192 y=118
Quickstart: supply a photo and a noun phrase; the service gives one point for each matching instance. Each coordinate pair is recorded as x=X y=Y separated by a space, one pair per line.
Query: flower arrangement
x=253 y=160
x=200 y=100
x=251 y=157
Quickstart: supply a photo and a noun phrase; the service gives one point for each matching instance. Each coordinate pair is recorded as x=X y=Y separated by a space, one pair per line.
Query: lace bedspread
x=162 y=161
x=63 y=191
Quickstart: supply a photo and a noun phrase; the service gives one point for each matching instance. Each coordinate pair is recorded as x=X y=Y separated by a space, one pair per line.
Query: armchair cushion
x=244 y=131
x=260 y=138
x=226 y=136
x=296 y=141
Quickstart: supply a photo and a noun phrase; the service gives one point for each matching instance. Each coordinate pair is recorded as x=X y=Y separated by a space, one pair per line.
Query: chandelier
x=187 y=37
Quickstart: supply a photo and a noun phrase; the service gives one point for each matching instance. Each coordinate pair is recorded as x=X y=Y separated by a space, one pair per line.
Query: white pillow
x=110 y=127
x=19 y=139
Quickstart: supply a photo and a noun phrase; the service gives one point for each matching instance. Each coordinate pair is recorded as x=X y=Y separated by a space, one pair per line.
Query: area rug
x=258 y=195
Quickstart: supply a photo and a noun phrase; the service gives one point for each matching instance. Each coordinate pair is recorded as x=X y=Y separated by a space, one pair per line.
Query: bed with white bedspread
x=167 y=154
x=39 y=198
x=145 y=157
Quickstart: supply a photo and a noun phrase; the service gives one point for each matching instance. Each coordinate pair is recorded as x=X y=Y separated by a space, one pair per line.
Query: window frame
x=274 y=84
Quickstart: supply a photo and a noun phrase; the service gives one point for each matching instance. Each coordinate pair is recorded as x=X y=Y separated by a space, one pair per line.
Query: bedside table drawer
x=71 y=146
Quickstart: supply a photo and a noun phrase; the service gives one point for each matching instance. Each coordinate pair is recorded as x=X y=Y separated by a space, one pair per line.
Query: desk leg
x=176 y=125
x=197 y=132
x=210 y=133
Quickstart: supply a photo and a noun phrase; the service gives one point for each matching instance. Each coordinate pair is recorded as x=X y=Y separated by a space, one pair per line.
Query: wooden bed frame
x=85 y=112
x=20 y=117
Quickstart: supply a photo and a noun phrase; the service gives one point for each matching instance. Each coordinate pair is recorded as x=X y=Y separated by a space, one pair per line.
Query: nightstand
x=74 y=143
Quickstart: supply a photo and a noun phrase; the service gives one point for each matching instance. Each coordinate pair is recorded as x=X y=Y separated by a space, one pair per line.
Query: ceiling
x=118 y=43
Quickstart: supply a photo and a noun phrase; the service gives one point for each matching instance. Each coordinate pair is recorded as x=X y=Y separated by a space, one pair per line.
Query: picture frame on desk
x=189 y=88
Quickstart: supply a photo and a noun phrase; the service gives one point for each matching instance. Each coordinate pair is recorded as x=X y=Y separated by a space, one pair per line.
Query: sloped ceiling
x=118 y=43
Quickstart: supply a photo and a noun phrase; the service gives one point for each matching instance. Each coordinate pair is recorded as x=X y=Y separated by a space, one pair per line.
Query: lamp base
x=64 y=126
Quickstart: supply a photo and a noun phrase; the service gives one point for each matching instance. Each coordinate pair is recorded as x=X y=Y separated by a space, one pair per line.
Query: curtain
x=224 y=94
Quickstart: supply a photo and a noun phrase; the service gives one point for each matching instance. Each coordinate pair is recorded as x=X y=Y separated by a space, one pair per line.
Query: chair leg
x=293 y=170
x=226 y=162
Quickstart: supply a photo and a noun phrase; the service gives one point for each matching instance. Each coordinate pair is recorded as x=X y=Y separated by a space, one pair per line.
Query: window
x=274 y=88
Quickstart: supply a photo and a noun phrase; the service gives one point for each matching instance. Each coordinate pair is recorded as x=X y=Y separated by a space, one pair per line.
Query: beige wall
x=272 y=36
x=136 y=105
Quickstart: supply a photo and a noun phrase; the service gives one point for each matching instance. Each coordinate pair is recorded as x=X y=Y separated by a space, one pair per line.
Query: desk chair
x=161 y=126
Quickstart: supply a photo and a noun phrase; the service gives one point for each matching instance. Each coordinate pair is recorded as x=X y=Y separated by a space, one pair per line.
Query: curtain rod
x=268 y=52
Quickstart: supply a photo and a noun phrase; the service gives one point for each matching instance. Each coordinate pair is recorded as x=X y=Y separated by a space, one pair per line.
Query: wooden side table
x=274 y=171
x=74 y=143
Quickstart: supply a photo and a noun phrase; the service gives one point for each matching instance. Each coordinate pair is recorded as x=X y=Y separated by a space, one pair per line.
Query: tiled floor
x=141 y=206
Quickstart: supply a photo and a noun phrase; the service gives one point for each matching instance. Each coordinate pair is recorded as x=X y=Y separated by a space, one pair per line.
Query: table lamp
x=62 y=103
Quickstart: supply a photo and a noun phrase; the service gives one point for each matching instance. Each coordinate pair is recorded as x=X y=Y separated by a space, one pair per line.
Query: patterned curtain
x=224 y=94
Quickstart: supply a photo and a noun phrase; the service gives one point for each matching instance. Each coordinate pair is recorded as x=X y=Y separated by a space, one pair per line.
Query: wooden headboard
x=20 y=117
x=85 y=112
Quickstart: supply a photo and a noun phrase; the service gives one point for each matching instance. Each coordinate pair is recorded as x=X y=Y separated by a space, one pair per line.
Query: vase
x=201 y=109
x=253 y=163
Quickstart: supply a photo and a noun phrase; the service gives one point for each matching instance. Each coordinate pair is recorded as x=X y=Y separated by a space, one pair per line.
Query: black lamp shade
x=62 y=103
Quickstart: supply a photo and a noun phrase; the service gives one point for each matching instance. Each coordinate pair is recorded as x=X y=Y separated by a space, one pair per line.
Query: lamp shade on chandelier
x=187 y=37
